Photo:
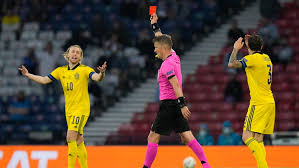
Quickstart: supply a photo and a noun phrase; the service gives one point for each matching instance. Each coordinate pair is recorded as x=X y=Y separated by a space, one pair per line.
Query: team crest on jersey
x=76 y=76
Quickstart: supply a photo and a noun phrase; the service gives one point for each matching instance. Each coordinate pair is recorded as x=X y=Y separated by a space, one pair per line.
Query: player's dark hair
x=255 y=42
x=164 y=39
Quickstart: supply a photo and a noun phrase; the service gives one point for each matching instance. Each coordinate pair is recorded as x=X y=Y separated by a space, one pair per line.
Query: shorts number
x=270 y=74
x=69 y=86
x=76 y=119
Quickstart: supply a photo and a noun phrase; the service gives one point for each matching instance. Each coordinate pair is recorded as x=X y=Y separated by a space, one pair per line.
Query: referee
x=173 y=112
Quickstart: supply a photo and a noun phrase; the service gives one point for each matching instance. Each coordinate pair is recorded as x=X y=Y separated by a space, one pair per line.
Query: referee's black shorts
x=169 y=118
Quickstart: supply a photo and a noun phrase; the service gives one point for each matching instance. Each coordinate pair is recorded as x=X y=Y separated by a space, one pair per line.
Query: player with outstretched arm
x=74 y=80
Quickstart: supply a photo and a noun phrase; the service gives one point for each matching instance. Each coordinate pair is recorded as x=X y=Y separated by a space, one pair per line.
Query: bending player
x=260 y=117
x=173 y=112
x=74 y=80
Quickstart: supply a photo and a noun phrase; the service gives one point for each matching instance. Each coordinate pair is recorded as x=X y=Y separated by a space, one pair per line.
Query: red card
x=152 y=10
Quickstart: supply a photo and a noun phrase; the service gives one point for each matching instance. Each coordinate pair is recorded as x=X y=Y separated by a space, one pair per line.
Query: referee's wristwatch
x=181 y=102
x=156 y=27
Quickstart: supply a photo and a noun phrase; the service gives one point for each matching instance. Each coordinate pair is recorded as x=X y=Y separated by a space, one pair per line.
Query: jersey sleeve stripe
x=51 y=77
x=243 y=64
x=90 y=74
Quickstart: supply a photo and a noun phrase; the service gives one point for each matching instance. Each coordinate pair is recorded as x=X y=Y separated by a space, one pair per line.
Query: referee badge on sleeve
x=170 y=72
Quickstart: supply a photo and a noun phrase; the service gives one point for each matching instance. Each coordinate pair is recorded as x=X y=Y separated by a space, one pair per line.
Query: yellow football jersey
x=258 y=68
x=75 y=87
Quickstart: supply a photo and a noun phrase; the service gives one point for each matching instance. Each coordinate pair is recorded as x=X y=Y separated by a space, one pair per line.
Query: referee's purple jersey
x=170 y=67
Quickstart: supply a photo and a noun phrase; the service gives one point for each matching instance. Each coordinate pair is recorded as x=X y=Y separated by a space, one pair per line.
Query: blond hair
x=68 y=50
x=164 y=39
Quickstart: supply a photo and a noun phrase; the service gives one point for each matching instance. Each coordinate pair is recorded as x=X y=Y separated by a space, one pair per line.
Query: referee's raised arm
x=155 y=26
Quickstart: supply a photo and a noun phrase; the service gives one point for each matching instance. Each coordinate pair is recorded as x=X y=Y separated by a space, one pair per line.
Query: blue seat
x=46 y=26
x=39 y=118
x=98 y=9
x=26 y=128
x=51 y=109
x=58 y=127
x=34 y=99
x=41 y=127
x=2 y=108
x=97 y=3
x=56 y=118
x=8 y=128
x=36 y=109
x=19 y=136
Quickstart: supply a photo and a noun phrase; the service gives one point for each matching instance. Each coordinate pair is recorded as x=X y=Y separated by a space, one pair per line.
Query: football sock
x=151 y=153
x=257 y=152
x=261 y=143
x=82 y=155
x=197 y=149
x=72 y=153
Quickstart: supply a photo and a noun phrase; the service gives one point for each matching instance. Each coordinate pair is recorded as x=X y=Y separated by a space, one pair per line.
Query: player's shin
x=82 y=155
x=151 y=153
x=197 y=149
x=261 y=143
x=257 y=152
x=72 y=153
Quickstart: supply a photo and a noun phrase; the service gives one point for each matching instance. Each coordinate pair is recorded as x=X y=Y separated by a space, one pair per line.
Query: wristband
x=155 y=28
x=181 y=102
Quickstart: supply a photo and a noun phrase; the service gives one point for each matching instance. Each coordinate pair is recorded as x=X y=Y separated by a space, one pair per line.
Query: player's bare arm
x=233 y=62
x=154 y=21
x=100 y=76
x=178 y=92
x=36 y=78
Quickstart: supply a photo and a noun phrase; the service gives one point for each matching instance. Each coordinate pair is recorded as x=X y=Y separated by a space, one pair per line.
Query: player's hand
x=238 y=44
x=154 y=18
x=24 y=71
x=186 y=113
x=246 y=39
x=102 y=68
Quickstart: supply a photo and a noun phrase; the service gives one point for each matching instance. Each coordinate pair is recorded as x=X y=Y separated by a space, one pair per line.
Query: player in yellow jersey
x=74 y=80
x=260 y=117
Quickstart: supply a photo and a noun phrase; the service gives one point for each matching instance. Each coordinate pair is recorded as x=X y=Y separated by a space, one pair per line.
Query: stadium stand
x=107 y=31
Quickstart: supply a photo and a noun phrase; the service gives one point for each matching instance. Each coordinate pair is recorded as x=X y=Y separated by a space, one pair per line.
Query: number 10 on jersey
x=69 y=86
